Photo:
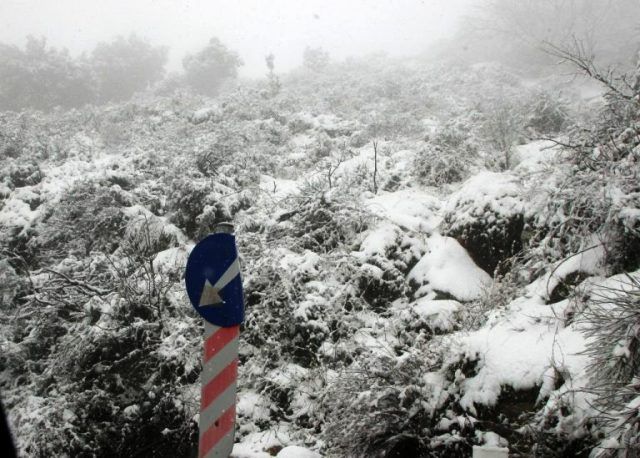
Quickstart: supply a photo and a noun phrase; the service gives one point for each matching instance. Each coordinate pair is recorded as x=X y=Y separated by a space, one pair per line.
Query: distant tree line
x=516 y=33
x=43 y=77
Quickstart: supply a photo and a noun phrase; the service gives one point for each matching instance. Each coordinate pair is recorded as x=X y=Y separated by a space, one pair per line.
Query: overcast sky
x=253 y=28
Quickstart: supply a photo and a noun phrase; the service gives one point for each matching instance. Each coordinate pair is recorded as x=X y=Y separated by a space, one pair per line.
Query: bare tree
x=579 y=53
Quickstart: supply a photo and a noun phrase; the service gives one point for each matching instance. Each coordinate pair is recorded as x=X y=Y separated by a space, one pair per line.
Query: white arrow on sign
x=210 y=296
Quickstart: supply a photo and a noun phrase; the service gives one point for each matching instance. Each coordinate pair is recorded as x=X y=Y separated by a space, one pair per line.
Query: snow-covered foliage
x=446 y=288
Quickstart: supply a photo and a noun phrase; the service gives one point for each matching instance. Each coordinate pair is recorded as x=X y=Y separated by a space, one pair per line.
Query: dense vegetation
x=434 y=257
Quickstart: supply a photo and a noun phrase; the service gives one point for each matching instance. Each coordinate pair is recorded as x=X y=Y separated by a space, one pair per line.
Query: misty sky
x=253 y=28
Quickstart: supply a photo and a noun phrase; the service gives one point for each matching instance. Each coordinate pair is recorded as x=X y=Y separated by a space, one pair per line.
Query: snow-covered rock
x=448 y=268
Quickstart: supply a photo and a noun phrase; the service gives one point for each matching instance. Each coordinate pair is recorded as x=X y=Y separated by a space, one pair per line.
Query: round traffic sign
x=213 y=280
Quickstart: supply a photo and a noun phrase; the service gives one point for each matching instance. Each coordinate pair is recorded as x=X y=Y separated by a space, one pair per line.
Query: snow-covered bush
x=145 y=236
x=12 y=285
x=229 y=140
x=547 y=114
x=583 y=203
x=391 y=406
x=280 y=322
x=379 y=408
x=486 y=215
x=193 y=208
x=379 y=283
x=87 y=217
x=611 y=315
x=21 y=173
x=321 y=224
x=447 y=157
x=435 y=167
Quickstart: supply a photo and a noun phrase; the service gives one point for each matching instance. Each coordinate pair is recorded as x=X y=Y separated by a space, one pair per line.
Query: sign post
x=214 y=288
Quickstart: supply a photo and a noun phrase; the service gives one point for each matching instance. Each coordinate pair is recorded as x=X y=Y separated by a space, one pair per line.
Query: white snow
x=412 y=209
x=487 y=191
x=257 y=444
x=278 y=188
x=299 y=264
x=517 y=350
x=171 y=260
x=294 y=451
x=439 y=314
x=531 y=156
x=251 y=404
x=16 y=215
x=486 y=451
x=589 y=261
x=380 y=239
x=447 y=267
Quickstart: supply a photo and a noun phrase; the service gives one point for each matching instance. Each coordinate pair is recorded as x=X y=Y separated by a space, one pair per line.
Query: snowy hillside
x=411 y=288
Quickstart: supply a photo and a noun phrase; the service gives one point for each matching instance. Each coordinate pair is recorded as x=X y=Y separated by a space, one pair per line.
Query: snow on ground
x=589 y=261
x=447 y=267
x=278 y=188
x=412 y=209
x=400 y=162
x=438 y=314
x=301 y=141
x=259 y=444
x=517 y=349
x=535 y=154
x=294 y=451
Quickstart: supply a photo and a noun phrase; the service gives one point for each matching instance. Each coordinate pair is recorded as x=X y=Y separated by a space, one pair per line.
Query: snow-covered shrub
x=323 y=225
x=193 y=208
x=502 y=290
x=113 y=135
x=611 y=315
x=323 y=146
x=12 y=285
x=547 y=114
x=299 y=123
x=100 y=337
x=487 y=217
x=211 y=215
x=385 y=407
x=447 y=157
x=281 y=320
x=87 y=217
x=115 y=391
x=435 y=167
x=501 y=126
x=393 y=125
x=145 y=236
x=583 y=204
x=274 y=132
x=379 y=283
x=230 y=139
x=21 y=173
x=208 y=162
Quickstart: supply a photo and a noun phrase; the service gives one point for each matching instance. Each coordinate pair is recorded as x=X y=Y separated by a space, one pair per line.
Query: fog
x=253 y=28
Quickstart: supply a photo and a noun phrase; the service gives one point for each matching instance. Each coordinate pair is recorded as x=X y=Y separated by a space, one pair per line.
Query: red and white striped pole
x=218 y=398
x=214 y=287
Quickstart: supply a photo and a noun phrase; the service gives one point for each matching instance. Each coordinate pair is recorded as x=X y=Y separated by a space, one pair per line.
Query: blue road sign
x=213 y=280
